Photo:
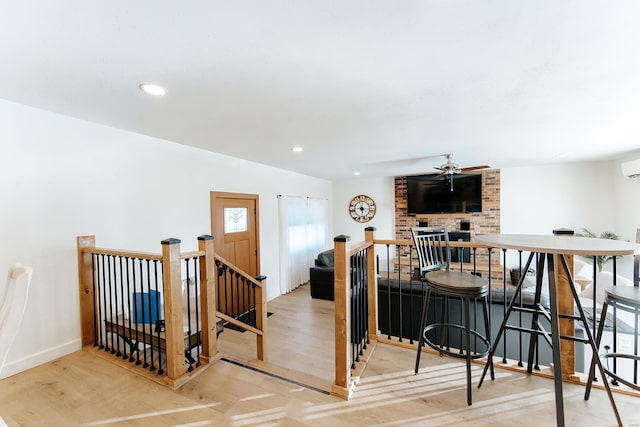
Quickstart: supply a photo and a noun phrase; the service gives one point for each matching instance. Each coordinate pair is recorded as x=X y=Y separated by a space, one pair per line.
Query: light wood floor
x=301 y=338
x=81 y=389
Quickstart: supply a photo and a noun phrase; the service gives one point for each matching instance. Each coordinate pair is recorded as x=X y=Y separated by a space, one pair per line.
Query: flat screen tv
x=430 y=194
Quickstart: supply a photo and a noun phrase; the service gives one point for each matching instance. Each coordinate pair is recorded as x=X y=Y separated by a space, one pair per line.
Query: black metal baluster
x=197 y=302
x=537 y=336
x=363 y=313
x=114 y=305
x=504 y=303
x=144 y=315
x=136 y=312
x=253 y=287
x=113 y=297
x=107 y=304
x=366 y=303
x=231 y=294
x=523 y=275
x=110 y=277
x=102 y=301
x=475 y=308
x=151 y=319
x=354 y=351
x=132 y=345
x=252 y=309
x=400 y=310
x=94 y=275
x=615 y=323
x=227 y=285
x=635 y=346
x=489 y=252
x=123 y=308
x=189 y=330
x=389 y=290
x=412 y=332
x=218 y=285
x=160 y=316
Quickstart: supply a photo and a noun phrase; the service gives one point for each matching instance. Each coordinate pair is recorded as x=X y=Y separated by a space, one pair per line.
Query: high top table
x=555 y=250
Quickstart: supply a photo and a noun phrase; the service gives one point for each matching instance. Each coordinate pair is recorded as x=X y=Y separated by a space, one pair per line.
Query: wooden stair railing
x=106 y=309
x=242 y=301
x=354 y=302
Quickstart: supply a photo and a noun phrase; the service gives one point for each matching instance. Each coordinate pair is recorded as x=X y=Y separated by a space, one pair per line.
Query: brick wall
x=485 y=222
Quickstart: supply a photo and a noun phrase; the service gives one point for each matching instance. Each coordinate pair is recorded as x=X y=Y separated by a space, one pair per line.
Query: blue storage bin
x=146 y=306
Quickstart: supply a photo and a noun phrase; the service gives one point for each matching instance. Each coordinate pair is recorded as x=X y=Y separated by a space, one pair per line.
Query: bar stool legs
x=467 y=347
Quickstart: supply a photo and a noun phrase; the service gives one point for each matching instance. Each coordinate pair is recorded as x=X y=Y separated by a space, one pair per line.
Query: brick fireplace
x=485 y=222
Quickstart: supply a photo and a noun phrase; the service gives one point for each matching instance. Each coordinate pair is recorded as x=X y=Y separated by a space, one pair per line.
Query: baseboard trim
x=44 y=356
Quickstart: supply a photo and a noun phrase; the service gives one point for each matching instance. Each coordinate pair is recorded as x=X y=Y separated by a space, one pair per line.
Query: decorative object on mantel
x=362 y=208
x=600 y=259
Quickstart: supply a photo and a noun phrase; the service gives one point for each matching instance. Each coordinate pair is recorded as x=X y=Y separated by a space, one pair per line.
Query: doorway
x=234 y=224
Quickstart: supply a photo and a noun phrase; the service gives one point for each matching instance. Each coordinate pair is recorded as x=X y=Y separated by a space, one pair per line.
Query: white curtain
x=303 y=234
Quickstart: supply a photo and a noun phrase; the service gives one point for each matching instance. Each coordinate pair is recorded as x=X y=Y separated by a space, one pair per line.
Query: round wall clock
x=362 y=208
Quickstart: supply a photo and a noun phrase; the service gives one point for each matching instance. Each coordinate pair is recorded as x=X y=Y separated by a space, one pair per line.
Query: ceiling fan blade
x=473 y=168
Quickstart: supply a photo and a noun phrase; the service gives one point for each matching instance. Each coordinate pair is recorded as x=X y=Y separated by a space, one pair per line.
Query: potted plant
x=601 y=260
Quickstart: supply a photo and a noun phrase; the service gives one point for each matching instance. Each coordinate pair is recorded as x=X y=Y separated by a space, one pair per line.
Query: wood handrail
x=192 y=254
x=123 y=253
x=359 y=247
x=452 y=243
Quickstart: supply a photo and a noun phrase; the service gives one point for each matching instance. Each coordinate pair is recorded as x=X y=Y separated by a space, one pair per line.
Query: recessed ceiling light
x=297 y=149
x=562 y=155
x=356 y=173
x=152 y=89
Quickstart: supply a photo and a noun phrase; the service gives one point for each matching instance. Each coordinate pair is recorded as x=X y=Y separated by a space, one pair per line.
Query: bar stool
x=626 y=298
x=432 y=246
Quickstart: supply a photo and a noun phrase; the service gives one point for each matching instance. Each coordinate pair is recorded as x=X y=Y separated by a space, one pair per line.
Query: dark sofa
x=408 y=298
x=321 y=276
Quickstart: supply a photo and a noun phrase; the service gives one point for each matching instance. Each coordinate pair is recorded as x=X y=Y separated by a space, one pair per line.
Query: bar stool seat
x=432 y=245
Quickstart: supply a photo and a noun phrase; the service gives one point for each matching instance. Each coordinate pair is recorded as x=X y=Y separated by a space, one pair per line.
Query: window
x=236 y=220
x=303 y=234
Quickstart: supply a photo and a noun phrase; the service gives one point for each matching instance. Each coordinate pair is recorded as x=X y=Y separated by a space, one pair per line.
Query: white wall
x=627 y=204
x=62 y=177
x=627 y=200
x=533 y=200
x=382 y=191
x=539 y=199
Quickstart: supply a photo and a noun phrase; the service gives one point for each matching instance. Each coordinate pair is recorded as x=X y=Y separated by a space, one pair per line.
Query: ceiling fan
x=449 y=168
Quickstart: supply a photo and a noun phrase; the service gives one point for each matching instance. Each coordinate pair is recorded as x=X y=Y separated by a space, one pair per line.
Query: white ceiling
x=501 y=82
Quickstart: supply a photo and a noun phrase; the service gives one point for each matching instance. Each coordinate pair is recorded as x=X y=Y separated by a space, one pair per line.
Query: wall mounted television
x=432 y=194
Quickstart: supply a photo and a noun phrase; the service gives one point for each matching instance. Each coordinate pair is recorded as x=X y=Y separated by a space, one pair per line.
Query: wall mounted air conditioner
x=631 y=169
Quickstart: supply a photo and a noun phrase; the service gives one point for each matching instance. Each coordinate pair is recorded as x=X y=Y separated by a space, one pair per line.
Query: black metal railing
x=401 y=297
x=128 y=309
x=236 y=294
x=191 y=292
x=359 y=306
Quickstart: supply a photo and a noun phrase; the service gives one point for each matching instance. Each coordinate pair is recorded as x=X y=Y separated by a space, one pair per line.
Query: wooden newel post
x=261 y=318
x=172 y=282
x=565 y=306
x=208 y=279
x=372 y=284
x=87 y=296
x=341 y=284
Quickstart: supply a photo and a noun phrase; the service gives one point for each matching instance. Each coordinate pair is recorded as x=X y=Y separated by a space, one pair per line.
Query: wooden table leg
x=565 y=306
